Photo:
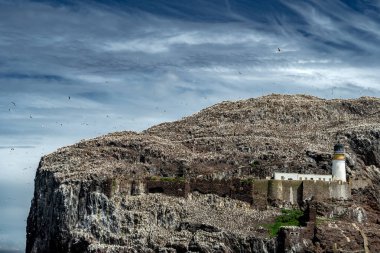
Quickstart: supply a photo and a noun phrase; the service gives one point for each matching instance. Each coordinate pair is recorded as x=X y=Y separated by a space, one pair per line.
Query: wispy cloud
x=166 y=43
x=30 y=76
x=80 y=69
x=13 y=147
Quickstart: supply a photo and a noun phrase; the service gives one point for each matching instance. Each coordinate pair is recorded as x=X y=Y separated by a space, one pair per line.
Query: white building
x=338 y=169
x=297 y=176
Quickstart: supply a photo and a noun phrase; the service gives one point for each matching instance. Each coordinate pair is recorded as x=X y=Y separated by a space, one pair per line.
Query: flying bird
x=31 y=117
x=13 y=103
x=278 y=49
x=69 y=97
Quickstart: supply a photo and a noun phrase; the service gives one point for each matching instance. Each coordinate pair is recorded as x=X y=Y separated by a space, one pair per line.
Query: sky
x=72 y=70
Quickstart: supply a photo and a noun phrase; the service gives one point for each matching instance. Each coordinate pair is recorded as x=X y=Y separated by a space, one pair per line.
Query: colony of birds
x=253 y=137
x=248 y=138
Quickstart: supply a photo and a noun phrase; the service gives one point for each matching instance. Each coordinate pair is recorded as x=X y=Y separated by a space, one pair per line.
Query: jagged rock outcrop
x=90 y=197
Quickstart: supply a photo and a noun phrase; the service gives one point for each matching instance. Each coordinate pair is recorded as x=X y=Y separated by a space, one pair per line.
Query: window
x=282 y=178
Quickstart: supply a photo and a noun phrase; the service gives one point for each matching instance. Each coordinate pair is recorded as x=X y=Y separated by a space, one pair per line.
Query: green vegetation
x=172 y=179
x=247 y=180
x=261 y=187
x=254 y=163
x=154 y=178
x=290 y=217
x=167 y=179
x=114 y=186
x=320 y=220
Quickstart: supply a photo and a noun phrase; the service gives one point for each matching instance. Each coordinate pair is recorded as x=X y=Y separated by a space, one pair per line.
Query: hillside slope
x=78 y=207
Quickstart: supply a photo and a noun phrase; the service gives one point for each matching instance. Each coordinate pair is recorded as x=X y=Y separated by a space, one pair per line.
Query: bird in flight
x=278 y=49
x=13 y=103
x=31 y=117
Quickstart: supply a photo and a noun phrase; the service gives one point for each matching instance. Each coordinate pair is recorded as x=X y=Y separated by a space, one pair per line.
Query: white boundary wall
x=296 y=176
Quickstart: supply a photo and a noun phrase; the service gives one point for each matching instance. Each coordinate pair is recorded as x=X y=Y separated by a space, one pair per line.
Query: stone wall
x=339 y=190
x=315 y=189
x=290 y=238
x=258 y=192
x=296 y=239
x=294 y=192
x=285 y=190
x=124 y=186
x=173 y=188
x=234 y=188
x=222 y=188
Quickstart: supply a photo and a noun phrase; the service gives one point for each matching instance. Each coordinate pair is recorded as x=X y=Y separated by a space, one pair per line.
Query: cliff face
x=90 y=197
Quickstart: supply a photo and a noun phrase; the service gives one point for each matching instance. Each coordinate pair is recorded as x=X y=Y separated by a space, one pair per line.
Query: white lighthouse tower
x=339 y=163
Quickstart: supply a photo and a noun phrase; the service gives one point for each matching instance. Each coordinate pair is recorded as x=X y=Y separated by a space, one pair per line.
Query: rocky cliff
x=91 y=197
